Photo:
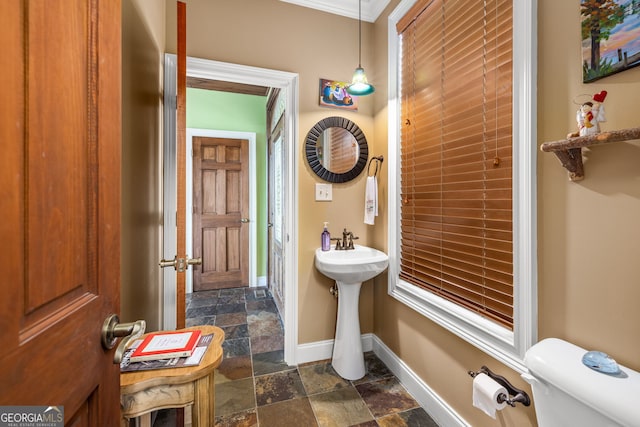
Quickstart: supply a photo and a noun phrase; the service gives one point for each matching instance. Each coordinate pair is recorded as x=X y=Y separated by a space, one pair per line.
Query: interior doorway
x=287 y=83
x=250 y=137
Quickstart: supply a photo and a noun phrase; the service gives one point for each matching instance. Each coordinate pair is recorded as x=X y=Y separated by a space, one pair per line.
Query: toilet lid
x=559 y=363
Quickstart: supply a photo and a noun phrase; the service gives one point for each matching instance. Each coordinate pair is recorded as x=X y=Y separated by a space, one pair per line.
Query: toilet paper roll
x=485 y=394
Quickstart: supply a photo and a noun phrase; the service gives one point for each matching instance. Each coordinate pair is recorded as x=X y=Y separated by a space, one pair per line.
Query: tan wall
x=143 y=25
x=277 y=35
x=589 y=232
x=588 y=235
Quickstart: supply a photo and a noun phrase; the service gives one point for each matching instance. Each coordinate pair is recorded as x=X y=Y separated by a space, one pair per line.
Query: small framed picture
x=334 y=94
x=610 y=37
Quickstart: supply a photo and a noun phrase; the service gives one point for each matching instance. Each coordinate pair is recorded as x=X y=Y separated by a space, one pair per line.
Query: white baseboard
x=438 y=409
x=322 y=350
x=260 y=281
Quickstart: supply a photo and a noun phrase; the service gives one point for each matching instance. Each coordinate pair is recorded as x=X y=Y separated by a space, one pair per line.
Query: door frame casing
x=253 y=209
x=169 y=190
x=288 y=83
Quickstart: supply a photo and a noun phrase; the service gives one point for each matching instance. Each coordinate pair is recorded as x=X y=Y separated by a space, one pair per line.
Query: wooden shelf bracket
x=569 y=151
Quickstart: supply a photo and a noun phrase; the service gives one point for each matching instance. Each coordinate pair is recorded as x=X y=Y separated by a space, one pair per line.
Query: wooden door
x=60 y=130
x=220 y=212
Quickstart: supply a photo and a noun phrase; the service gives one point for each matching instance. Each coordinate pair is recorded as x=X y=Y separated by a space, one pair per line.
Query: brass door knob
x=164 y=263
x=112 y=329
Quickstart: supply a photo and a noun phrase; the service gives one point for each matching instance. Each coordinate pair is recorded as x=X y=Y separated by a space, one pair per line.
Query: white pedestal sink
x=349 y=268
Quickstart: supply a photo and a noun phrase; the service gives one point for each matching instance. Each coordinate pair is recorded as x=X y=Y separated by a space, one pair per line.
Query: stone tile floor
x=254 y=387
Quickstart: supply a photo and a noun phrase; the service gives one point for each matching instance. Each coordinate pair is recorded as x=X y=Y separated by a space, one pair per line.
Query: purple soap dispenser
x=326 y=238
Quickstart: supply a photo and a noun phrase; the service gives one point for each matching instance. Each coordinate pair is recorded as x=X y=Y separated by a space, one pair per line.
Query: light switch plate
x=323 y=192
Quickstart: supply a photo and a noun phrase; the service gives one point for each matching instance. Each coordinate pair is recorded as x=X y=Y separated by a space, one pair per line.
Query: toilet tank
x=567 y=393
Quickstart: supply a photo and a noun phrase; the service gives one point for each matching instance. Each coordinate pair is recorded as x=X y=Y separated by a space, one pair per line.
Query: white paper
x=167 y=342
x=195 y=358
x=485 y=394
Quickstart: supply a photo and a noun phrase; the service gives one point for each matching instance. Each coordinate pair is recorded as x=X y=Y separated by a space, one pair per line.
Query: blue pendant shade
x=359 y=85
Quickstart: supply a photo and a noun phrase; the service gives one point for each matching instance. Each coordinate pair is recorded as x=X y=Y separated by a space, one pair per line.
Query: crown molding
x=371 y=9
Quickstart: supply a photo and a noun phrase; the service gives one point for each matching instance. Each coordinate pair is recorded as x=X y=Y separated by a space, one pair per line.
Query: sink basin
x=351 y=266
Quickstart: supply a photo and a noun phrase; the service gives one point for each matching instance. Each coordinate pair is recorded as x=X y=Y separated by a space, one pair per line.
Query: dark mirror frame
x=312 y=153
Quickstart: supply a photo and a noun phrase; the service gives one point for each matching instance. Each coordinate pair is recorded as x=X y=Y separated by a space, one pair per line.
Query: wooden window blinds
x=456 y=155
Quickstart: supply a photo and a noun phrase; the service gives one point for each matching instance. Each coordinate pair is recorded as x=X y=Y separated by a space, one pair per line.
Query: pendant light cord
x=359 y=85
x=359 y=33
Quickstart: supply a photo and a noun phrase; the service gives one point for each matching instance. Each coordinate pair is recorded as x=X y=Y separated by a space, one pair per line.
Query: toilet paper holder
x=515 y=394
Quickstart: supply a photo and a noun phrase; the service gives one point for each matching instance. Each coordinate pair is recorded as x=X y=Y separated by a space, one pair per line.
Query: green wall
x=214 y=110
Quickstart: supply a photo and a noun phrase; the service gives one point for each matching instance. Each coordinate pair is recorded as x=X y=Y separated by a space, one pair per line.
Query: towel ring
x=378 y=159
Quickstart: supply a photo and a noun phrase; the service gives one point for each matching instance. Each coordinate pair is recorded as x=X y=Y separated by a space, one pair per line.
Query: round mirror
x=336 y=149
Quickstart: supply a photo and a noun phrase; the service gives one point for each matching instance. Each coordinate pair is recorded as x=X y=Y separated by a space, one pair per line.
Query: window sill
x=484 y=334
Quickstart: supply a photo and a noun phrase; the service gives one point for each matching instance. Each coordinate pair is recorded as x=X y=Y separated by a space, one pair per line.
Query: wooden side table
x=145 y=391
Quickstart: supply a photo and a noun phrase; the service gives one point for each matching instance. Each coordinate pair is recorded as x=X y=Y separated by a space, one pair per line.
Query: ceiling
x=371 y=9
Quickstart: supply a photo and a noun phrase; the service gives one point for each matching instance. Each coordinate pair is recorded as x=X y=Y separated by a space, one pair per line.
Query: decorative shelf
x=569 y=151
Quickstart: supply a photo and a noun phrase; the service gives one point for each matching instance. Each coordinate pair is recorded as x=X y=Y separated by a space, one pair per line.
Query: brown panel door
x=220 y=212
x=60 y=130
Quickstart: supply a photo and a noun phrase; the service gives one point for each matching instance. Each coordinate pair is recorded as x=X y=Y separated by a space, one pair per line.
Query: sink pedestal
x=349 y=268
x=348 y=359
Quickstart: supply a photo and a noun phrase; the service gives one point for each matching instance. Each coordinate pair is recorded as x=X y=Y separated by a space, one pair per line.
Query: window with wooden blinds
x=456 y=228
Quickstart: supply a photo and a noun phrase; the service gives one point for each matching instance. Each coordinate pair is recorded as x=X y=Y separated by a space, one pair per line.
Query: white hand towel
x=371 y=200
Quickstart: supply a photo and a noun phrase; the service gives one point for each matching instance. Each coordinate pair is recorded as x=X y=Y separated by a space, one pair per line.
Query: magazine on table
x=166 y=345
x=177 y=362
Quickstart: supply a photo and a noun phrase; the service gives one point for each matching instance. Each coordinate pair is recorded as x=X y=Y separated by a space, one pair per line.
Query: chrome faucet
x=346 y=242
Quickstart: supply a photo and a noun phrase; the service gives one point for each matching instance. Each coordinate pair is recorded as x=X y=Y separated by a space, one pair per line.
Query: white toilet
x=567 y=393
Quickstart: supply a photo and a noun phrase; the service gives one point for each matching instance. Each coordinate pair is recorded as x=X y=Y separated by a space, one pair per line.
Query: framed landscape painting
x=610 y=37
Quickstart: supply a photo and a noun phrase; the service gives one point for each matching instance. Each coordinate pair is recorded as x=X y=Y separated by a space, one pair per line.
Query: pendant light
x=359 y=85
